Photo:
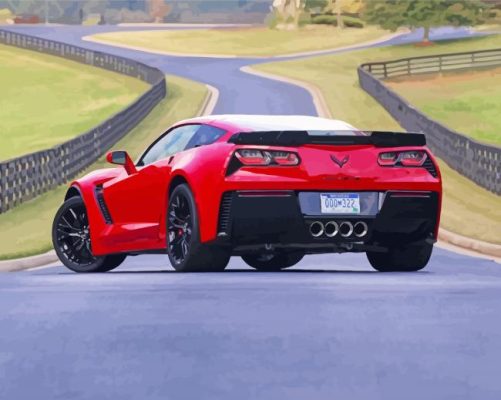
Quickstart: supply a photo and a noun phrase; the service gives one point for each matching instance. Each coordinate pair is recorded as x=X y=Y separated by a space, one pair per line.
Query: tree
x=339 y=7
x=289 y=9
x=392 y=14
x=315 y=4
x=158 y=10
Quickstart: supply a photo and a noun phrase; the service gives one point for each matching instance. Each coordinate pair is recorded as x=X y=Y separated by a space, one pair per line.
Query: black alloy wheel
x=186 y=252
x=180 y=227
x=72 y=243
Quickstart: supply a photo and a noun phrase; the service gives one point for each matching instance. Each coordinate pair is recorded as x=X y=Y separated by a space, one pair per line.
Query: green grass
x=468 y=102
x=46 y=100
x=244 y=41
x=25 y=230
x=336 y=77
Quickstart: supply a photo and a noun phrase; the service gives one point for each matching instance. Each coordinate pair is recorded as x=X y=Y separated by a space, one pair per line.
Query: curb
x=348 y=47
x=18 y=264
x=90 y=38
x=477 y=246
x=209 y=102
x=179 y=25
x=312 y=53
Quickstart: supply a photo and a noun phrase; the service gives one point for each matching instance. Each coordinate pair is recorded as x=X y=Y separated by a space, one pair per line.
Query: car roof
x=248 y=122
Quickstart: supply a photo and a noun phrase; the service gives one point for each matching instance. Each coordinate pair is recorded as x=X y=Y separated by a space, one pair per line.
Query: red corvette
x=267 y=188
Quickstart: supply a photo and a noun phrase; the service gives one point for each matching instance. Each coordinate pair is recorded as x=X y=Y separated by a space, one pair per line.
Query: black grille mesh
x=102 y=205
x=224 y=212
x=430 y=167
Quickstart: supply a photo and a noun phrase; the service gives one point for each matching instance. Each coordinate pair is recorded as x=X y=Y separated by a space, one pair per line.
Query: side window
x=172 y=143
x=206 y=134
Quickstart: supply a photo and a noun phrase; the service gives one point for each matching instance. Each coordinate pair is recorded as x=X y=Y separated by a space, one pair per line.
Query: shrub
x=273 y=19
x=353 y=22
x=5 y=14
x=304 y=19
x=328 y=19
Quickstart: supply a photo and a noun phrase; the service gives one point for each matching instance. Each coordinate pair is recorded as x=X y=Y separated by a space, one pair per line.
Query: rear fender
x=204 y=170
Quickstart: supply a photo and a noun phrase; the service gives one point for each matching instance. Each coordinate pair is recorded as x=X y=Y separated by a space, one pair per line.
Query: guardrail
x=28 y=176
x=479 y=162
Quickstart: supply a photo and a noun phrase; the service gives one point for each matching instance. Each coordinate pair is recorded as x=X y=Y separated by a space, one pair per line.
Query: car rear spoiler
x=298 y=138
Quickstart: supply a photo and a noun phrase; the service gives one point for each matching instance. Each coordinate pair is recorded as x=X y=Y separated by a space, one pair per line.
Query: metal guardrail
x=478 y=161
x=28 y=176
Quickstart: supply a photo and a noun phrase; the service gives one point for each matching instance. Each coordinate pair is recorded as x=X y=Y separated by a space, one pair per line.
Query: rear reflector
x=410 y=194
x=265 y=193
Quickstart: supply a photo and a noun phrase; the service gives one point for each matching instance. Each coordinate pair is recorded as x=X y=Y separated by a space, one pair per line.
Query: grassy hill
x=46 y=100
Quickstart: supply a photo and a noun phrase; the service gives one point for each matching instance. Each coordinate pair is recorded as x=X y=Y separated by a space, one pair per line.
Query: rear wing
x=298 y=138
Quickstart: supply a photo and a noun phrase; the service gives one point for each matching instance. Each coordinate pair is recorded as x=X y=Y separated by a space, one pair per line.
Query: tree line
x=389 y=14
x=392 y=14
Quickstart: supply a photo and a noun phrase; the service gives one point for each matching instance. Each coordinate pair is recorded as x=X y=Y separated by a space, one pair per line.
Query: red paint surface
x=138 y=201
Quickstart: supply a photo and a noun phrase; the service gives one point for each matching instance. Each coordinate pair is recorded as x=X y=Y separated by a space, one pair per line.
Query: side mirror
x=121 y=157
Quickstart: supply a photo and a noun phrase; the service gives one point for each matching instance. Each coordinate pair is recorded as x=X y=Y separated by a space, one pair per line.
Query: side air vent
x=102 y=205
x=430 y=167
x=224 y=213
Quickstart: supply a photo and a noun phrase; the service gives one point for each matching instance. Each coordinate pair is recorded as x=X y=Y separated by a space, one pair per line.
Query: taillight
x=255 y=157
x=388 y=158
x=285 y=158
x=414 y=158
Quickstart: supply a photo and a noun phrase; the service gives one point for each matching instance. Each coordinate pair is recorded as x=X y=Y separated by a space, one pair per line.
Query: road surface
x=329 y=328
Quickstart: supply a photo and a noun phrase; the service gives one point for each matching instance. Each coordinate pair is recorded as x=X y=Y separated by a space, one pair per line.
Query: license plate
x=340 y=203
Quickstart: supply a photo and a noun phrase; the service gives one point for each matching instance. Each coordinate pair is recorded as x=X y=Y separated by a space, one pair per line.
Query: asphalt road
x=239 y=92
x=330 y=328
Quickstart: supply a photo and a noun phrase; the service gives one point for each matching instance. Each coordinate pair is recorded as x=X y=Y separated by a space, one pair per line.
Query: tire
x=71 y=240
x=186 y=252
x=406 y=258
x=273 y=261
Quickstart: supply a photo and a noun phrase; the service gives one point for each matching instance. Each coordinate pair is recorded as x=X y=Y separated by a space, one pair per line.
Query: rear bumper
x=252 y=219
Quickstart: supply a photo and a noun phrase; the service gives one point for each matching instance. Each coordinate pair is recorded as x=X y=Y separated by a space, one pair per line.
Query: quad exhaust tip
x=360 y=229
x=344 y=229
x=331 y=228
x=316 y=229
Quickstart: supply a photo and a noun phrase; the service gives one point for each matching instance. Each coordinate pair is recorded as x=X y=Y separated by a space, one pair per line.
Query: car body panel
x=138 y=202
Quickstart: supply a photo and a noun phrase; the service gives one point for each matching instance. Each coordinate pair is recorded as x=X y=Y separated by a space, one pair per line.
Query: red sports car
x=270 y=189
